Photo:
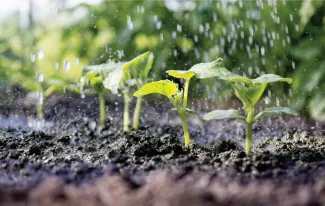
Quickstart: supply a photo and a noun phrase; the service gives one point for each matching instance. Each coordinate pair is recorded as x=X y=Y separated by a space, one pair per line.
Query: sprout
x=177 y=97
x=120 y=78
x=94 y=76
x=249 y=91
x=42 y=90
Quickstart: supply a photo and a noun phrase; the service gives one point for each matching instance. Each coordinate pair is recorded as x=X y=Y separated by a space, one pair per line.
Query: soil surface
x=69 y=160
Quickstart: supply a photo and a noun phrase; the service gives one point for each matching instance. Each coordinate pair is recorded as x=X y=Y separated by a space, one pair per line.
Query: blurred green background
x=49 y=41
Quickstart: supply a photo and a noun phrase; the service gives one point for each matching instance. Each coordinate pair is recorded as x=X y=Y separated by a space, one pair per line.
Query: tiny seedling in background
x=177 y=97
x=41 y=90
x=249 y=91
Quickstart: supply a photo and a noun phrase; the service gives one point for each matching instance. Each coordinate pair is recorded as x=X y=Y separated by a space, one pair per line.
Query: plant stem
x=187 y=83
x=40 y=112
x=186 y=132
x=249 y=130
x=136 y=115
x=126 y=115
x=40 y=105
x=102 y=110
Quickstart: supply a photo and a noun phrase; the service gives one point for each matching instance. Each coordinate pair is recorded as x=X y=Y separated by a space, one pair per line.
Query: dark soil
x=72 y=161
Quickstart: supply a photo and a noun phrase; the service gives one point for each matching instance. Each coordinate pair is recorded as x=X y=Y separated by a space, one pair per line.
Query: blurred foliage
x=254 y=37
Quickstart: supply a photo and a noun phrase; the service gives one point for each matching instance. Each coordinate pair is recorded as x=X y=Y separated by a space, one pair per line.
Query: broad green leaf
x=235 y=78
x=249 y=95
x=209 y=69
x=140 y=66
x=102 y=69
x=112 y=74
x=164 y=87
x=275 y=111
x=269 y=78
x=181 y=74
x=113 y=79
x=223 y=114
x=217 y=69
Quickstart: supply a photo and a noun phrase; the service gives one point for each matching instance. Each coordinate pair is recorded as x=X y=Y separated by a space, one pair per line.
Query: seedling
x=94 y=75
x=120 y=78
x=249 y=91
x=42 y=90
x=177 y=97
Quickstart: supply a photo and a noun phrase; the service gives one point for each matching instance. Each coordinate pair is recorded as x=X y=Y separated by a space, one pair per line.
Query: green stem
x=186 y=132
x=126 y=114
x=40 y=105
x=40 y=112
x=187 y=83
x=136 y=115
x=249 y=130
x=102 y=110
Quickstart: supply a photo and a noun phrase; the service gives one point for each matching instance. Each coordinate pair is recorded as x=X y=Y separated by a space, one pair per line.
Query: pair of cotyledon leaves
x=122 y=75
x=247 y=90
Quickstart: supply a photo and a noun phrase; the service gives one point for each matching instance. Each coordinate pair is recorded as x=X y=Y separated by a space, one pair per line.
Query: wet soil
x=75 y=162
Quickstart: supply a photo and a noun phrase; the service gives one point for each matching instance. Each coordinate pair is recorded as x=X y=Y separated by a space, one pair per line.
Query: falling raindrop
x=66 y=65
x=56 y=65
x=40 y=78
x=32 y=57
x=129 y=22
x=174 y=34
x=40 y=54
x=76 y=61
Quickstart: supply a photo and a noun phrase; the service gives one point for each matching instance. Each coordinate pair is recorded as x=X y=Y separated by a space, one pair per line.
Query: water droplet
x=129 y=22
x=40 y=54
x=76 y=61
x=40 y=78
x=66 y=65
x=56 y=65
x=32 y=57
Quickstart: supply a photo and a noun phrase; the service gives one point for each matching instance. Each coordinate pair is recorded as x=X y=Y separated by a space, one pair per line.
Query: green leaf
x=223 y=114
x=181 y=74
x=140 y=66
x=164 y=87
x=207 y=70
x=275 y=111
x=102 y=69
x=112 y=74
x=114 y=78
x=269 y=78
x=249 y=95
x=217 y=69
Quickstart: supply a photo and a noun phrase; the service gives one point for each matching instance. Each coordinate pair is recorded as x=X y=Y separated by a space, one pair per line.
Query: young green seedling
x=249 y=91
x=120 y=78
x=138 y=69
x=94 y=75
x=177 y=97
x=124 y=77
x=42 y=90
